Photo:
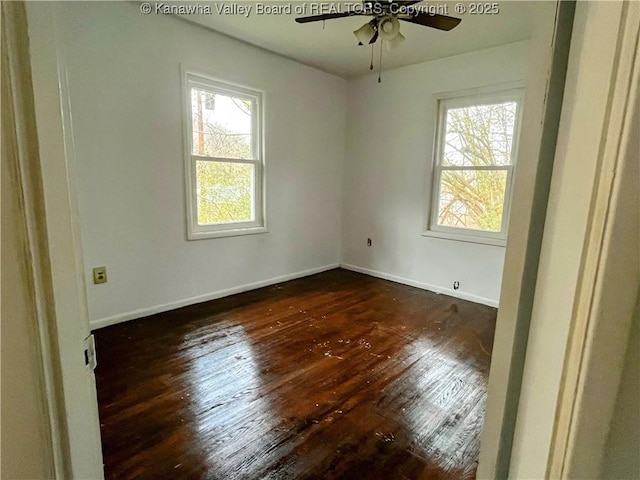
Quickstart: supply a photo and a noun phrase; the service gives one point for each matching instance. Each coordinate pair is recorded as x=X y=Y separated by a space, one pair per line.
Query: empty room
x=288 y=230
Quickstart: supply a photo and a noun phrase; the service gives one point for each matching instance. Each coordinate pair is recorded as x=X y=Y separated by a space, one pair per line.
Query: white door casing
x=54 y=136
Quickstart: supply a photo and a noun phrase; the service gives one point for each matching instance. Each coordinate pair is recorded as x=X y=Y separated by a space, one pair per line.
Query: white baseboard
x=145 y=312
x=423 y=286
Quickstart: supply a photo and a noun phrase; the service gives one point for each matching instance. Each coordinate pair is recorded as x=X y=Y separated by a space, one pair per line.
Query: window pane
x=221 y=125
x=472 y=199
x=480 y=135
x=224 y=192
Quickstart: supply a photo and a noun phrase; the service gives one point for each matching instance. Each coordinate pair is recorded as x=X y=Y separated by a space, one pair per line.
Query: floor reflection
x=451 y=395
x=225 y=385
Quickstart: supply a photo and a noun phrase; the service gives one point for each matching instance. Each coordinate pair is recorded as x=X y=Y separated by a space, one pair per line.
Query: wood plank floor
x=334 y=376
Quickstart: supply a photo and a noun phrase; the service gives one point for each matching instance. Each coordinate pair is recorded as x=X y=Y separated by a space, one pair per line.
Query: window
x=224 y=165
x=473 y=168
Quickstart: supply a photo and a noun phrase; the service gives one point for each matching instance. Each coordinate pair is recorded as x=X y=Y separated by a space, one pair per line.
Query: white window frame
x=213 y=85
x=446 y=101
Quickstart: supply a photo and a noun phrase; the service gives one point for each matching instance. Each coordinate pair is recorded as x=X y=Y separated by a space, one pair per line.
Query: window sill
x=226 y=233
x=466 y=237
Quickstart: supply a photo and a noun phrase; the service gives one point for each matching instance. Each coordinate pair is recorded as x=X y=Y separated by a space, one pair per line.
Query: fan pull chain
x=371 y=65
x=380 y=65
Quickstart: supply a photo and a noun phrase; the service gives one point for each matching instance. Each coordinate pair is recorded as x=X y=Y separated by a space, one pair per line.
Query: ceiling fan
x=385 y=23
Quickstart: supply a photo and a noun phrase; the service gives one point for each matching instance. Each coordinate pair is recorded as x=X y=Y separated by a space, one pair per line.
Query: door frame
x=609 y=280
x=18 y=134
x=560 y=419
x=539 y=133
x=63 y=319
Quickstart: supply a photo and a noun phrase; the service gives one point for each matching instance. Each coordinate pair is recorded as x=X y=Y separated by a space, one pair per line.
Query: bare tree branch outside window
x=477 y=138
x=224 y=188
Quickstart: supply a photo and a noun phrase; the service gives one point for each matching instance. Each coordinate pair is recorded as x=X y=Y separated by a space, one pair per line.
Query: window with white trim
x=223 y=159
x=473 y=168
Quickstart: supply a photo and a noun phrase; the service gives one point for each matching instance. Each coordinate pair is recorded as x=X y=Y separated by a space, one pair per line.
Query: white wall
x=124 y=78
x=124 y=84
x=387 y=174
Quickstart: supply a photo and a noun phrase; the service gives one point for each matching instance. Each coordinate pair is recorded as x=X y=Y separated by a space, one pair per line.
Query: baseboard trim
x=424 y=286
x=145 y=312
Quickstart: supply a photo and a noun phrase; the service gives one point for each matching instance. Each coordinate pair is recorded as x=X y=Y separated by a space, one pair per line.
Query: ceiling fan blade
x=441 y=22
x=328 y=16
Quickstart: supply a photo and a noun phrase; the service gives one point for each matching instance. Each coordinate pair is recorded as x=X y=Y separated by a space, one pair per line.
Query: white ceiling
x=333 y=48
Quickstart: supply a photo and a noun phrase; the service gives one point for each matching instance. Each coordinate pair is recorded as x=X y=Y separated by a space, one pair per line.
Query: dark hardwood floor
x=334 y=376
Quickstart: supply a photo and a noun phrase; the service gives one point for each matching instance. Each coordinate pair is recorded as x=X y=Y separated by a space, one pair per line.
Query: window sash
x=454 y=104
x=222 y=226
x=513 y=94
x=195 y=230
x=444 y=105
x=256 y=152
x=256 y=197
x=506 y=204
x=475 y=167
x=250 y=161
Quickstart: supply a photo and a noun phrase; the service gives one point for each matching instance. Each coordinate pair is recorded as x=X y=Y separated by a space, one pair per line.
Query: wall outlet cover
x=99 y=275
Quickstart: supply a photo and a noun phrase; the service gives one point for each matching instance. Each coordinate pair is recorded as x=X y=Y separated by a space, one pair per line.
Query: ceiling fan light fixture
x=365 y=33
x=389 y=28
x=395 y=42
x=385 y=24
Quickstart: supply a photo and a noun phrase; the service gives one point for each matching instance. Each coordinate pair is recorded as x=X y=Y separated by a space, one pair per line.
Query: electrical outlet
x=369 y=243
x=456 y=285
x=99 y=275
